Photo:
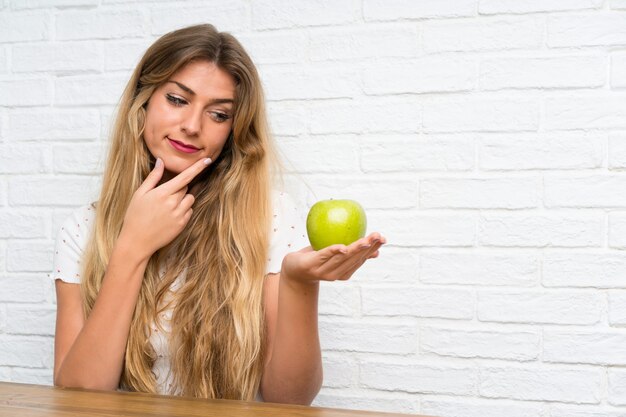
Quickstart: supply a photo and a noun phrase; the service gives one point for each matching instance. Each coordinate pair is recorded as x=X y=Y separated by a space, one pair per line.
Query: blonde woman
x=190 y=275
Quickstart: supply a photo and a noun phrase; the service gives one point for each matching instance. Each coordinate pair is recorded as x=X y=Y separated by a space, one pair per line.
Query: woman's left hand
x=335 y=262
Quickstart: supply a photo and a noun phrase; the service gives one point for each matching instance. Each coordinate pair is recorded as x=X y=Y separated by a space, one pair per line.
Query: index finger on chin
x=181 y=180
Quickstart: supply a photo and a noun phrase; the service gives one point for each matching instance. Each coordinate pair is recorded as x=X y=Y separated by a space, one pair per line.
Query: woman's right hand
x=158 y=213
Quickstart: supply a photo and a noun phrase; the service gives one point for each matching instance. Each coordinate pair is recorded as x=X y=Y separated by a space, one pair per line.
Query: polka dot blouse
x=288 y=234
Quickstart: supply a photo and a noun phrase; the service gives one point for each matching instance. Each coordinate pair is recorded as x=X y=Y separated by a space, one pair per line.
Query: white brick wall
x=485 y=138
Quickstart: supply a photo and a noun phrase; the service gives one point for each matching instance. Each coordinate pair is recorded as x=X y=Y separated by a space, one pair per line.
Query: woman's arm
x=293 y=369
x=90 y=354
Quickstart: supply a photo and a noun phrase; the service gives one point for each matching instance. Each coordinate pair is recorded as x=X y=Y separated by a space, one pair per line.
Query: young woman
x=191 y=275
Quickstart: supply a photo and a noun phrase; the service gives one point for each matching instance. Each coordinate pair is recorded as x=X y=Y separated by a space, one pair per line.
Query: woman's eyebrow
x=193 y=93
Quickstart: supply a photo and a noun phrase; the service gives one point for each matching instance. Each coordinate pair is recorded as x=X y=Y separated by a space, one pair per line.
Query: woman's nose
x=192 y=122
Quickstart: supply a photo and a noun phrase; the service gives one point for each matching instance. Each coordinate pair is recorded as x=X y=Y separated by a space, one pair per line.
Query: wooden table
x=22 y=400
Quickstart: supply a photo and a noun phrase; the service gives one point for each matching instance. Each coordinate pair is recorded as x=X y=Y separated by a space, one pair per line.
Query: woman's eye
x=175 y=100
x=219 y=117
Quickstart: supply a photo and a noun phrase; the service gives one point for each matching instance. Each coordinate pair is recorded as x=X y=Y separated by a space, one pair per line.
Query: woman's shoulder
x=288 y=227
x=81 y=217
x=71 y=242
x=282 y=200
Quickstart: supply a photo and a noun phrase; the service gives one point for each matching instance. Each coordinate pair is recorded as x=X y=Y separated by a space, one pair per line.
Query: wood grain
x=23 y=400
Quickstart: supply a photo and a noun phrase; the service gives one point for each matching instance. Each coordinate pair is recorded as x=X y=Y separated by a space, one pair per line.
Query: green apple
x=330 y=222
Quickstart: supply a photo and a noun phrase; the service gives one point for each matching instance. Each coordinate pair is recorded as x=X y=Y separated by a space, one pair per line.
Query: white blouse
x=288 y=235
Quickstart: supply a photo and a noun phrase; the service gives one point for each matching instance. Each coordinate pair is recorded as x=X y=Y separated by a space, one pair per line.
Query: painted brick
x=79 y=158
x=386 y=115
x=340 y=299
x=587 y=29
x=29 y=256
x=417 y=153
x=525 y=151
x=371 y=41
x=441 y=406
x=37 y=4
x=58 y=57
x=596 y=270
x=339 y=370
x=532 y=6
x=472 y=268
x=122 y=55
x=30 y=319
x=380 y=401
x=543 y=72
x=483 y=34
x=398 y=9
x=339 y=153
x=541 y=230
x=617 y=230
x=618 y=70
x=418 y=230
x=276 y=14
x=24 y=27
x=476 y=343
x=617 y=151
x=590 y=191
x=4 y=60
x=103 y=89
x=424 y=75
x=100 y=24
x=23 y=224
x=617 y=386
x=280 y=47
x=393 y=265
x=287 y=118
x=569 y=346
x=34 y=351
x=585 y=112
x=370 y=192
x=125 y=1
x=23 y=92
x=27 y=288
x=584 y=411
x=53 y=191
x=533 y=306
x=311 y=83
x=410 y=376
x=617 y=308
x=487 y=193
x=32 y=376
x=2 y=258
x=23 y=159
x=231 y=17
x=361 y=336
x=418 y=302
x=584 y=385
x=44 y=125
x=480 y=114
x=107 y=121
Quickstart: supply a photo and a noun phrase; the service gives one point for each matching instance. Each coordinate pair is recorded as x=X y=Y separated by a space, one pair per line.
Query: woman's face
x=190 y=116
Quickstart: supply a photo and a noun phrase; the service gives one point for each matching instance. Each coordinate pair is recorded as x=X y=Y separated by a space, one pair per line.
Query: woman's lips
x=182 y=147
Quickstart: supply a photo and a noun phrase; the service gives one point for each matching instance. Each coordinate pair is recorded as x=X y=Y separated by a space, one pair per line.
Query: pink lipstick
x=183 y=147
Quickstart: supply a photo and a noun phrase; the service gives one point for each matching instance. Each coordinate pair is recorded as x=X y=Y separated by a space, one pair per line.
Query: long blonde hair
x=217 y=338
